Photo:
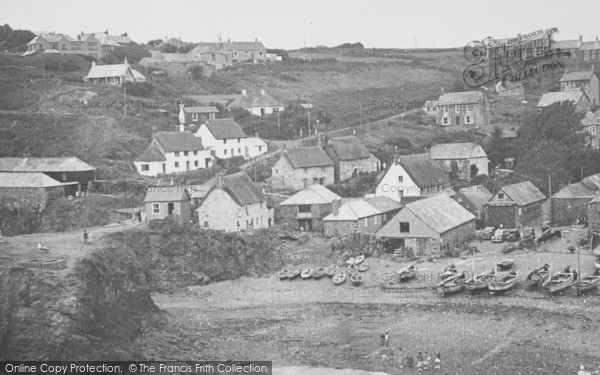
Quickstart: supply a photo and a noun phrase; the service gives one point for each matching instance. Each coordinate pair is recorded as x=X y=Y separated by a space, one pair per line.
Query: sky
x=294 y=24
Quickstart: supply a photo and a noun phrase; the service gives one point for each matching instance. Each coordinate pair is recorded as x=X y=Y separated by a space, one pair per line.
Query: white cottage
x=226 y=139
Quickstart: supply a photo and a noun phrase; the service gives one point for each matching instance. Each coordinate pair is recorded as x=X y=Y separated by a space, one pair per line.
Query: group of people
x=424 y=360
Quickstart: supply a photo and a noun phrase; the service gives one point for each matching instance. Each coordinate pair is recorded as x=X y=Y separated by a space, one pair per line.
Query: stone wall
x=346 y=168
x=566 y=211
x=176 y=69
x=339 y=228
x=29 y=198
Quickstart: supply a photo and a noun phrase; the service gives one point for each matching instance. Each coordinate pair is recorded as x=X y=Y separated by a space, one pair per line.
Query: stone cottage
x=464 y=158
x=298 y=168
x=570 y=204
x=29 y=190
x=515 y=206
x=350 y=158
x=306 y=209
x=163 y=201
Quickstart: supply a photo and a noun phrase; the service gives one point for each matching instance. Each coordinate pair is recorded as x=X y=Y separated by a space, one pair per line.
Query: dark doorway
x=457 y=120
x=306 y=225
x=170 y=208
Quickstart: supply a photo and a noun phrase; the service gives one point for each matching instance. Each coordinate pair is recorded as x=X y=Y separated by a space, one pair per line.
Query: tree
x=496 y=149
x=474 y=171
x=454 y=171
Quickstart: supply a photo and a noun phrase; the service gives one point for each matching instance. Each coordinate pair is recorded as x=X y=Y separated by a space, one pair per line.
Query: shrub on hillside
x=142 y=89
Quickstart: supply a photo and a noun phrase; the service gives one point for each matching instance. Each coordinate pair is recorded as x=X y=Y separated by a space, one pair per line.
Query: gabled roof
x=383 y=204
x=113 y=70
x=203 y=49
x=122 y=39
x=314 y=194
x=523 y=193
x=577 y=76
x=593 y=45
x=225 y=128
x=561 y=96
x=178 y=141
x=439 y=212
x=242 y=189
x=244 y=46
x=478 y=195
x=589 y=187
x=466 y=150
x=166 y=194
x=307 y=157
x=423 y=170
x=254 y=100
x=590 y=119
x=27 y=180
x=348 y=148
x=67 y=164
x=153 y=153
x=566 y=44
x=206 y=109
x=352 y=211
x=462 y=97
x=137 y=74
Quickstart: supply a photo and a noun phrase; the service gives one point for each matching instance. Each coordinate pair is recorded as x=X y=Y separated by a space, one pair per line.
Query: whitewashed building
x=259 y=104
x=226 y=139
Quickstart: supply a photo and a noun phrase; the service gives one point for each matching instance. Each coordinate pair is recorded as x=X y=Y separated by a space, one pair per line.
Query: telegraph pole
x=308 y=115
x=124 y=100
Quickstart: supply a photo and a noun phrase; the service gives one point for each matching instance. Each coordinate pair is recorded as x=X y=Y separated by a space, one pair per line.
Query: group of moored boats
x=453 y=281
x=336 y=273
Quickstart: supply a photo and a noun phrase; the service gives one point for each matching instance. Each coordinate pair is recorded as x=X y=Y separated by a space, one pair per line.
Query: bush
x=197 y=72
x=142 y=89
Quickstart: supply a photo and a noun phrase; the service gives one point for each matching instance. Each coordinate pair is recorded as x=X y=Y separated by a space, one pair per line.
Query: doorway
x=170 y=208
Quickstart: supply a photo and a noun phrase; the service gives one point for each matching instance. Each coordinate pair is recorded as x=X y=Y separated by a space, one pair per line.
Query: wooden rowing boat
x=318 y=273
x=503 y=283
x=332 y=270
x=363 y=267
x=560 y=281
x=352 y=269
x=307 y=273
x=538 y=276
x=506 y=264
x=448 y=272
x=452 y=284
x=294 y=273
x=339 y=278
x=283 y=274
x=356 y=279
x=479 y=281
x=359 y=259
x=588 y=282
x=407 y=273
x=597 y=262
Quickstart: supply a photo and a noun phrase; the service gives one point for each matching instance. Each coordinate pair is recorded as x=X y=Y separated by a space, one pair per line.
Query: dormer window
x=500 y=195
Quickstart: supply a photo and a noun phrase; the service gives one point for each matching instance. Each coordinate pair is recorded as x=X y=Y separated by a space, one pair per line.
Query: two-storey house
x=463 y=108
x=226 y=139
x=515 y=206
x=306 y=209
x=579 y=99
x=350 y=158
x=298 y=168
x=586 y=81
x=461 y=161
x=197 y=114
x=590 y=126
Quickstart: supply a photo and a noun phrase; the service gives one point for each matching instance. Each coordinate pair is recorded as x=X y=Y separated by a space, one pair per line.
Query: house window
x=64 y=177
x=225 y=152
x=205 y=224
x=592 y=130
x=194 y=117
x=457 y=108
x=404 y=227
x=446 y=109
x=445 y=120
x=185 y=153
x=259 y=148
x=304 y=208
x=195 y=153
x=501 y=195
x=305 y=182
x=225 y=141
x=239 y=150
x=176 y=153
x=145 y=167
x=400 y=178
x=468 y=120
x=239 y=140
x=196 y=163
x=155 y=208
x=366 y=222
x=176 y=164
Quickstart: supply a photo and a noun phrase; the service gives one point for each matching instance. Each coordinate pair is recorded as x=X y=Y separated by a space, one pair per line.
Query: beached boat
x=452 y=284
x=339 y=278
x=350 y=261
x=538 y=276
x=363 y=267
x=356 y=279
x=560 y=281
x=359 y=259
x=332 y=270
x=407 y=273
x=294 y=273
x=352 y=269
x=448 y=272
x=307 y=273
x=318 y=273
x=283 y=274
x=479 y=281
x=505 y=264
x=503 y=283
x=597 y=262
x=589 y=282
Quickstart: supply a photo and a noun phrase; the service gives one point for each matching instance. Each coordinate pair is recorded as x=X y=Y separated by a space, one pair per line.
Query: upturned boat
x=339 y=278
x=505 y=264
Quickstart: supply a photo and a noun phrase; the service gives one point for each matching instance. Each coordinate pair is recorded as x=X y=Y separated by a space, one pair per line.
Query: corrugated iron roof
x=465 y=150
x=423 y=170
x=307 y=157
x=314 y=194
x=478 y=195
x=348 y=148
x=559 y=97
x=166 y=194
x=178 y=141
x=67 y=164
x=461 y=97
x=27 y=180
x=523 y=193
x=225 y=128
x=352 y=211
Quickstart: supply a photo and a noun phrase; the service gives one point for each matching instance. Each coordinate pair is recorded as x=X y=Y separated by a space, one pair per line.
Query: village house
x=463 y=108
x=514 y=206
x=175 y=64
x=239 y=51
x=473 y=199
x=430 y=226
x=577 y=98
x=30 y=190
x=411 y=177
x=467 y=160
x=234 y=203
x=226 y=139
x=569 y=205
x=137 y=76
x=215 y=58
x=173 y=152
x=259 y=104
x=114 y=74
x=586 y=81
x=350 y=158
x=123 y=39
x=590 y=126
x=198 y=114
x=306 y=209
x=360 y=215
x=71 y=171
x=593 y=222
x=66 y=45
x=298 y=168
x=431 y=107
x=163 y=201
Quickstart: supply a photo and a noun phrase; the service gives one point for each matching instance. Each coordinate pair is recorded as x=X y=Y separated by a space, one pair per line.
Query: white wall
x=231 y=147
x=268 y=110
x=390 y=184
x=155 y=167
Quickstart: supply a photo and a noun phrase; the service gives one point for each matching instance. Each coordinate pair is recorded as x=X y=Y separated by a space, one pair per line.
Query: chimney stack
x=181 y=127
x=581 y=38
x=335 y=206
x=219 y=178
x=93 y=63
x=262 y=91
x=125 y=61
x=244 y=92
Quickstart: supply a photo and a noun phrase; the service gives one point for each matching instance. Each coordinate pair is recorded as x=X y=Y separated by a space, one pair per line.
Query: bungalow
x=258 y=104
x=306 y=209
x=514 y=206
x=163 y=201
x=467 y=160
x=413 y=176
x=62 y=169
x=235 y=203
x=190 y=115
x=360 y=215
x=301 y=167
x=350 y=158
x=29 y=190
x=577 y=98
x=468 y=108
x=115 y=74
x=137 y=76
x=226 y=139
x=586 y=81
x=570 y=204
x=473 y=199
x=173 y=152
x=430 y=226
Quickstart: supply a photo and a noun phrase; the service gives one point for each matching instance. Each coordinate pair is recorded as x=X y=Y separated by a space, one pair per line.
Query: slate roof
x=461 y=97
x=352 y=211
x=348 y=148
x=27 y=180
x=590 y=119
x=254 y=100
x=244 y=46
x=439 y=212
x=478 y=195
x=116 y=38
x=466 y=150
x=113 y=70
x=567 y=44
x=384 y=204
x=577 y=76
x=153 y=153
x=423 y=170
x=307 y=157
x=314 y=194
x=589 y=187
x=523 y=193
x=203 y=49
x=66 y=164
x=225 y=128
x=559 y=97
x=137 y=74
x=593 y=45
x=178 y=141
x=207 y=109
x=242 y=189
x=166 y=194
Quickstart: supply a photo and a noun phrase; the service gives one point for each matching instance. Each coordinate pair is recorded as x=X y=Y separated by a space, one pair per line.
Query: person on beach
x=438 y=361
x=85 y=237
x=386 y=340
x=382 y=340
x=426 y=360
x=420 y=361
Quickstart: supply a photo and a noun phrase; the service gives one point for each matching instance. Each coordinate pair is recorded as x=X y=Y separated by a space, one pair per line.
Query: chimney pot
x=181 y=127
x=336 y=206
x=581 y=38
x=244 y=92
x=262 y=91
